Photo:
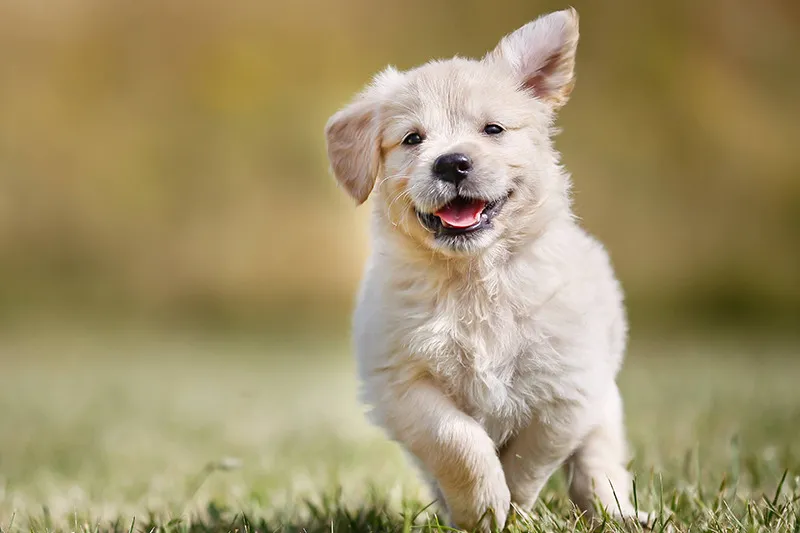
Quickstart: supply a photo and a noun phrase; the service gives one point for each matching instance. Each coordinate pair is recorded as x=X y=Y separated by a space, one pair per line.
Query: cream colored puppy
x=490 y=327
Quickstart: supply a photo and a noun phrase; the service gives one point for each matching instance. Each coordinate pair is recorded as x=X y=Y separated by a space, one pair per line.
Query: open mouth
x=462 y=216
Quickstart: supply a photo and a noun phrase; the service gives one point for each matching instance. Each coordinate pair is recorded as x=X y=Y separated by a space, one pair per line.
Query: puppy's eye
x=412 y=139
x=493 y=129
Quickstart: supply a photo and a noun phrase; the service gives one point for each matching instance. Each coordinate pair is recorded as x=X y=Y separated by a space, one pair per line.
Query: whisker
x=401 y=194
x=395 y=177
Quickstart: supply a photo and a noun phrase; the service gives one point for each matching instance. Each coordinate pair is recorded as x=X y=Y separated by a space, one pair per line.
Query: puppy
x=490 y=327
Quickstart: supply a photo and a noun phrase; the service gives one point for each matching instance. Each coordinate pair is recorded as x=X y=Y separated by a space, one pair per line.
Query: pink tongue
x=461 y=214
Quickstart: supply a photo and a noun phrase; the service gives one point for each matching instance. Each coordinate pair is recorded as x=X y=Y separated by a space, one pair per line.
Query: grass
x=148 y=433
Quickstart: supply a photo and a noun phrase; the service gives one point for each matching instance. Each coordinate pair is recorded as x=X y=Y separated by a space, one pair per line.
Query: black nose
x=452 y=167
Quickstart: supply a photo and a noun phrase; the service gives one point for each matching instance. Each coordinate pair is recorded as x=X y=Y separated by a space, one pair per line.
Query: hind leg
x=598 y=467
x=537 y=451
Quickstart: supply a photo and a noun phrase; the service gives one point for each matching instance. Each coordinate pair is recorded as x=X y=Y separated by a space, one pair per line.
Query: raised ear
x=542 y=54
x=354 y=146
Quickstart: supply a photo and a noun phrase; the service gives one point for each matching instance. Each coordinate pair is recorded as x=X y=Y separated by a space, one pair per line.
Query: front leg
x=454 y=449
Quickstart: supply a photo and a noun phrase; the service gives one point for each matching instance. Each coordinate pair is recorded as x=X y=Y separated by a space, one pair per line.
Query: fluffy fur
x=491 y=357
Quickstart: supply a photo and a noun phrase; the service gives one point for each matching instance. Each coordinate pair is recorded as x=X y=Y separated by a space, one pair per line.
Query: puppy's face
x=458 y=151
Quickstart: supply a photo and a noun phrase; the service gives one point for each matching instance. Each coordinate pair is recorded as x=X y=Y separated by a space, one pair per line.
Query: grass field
x=152 y=433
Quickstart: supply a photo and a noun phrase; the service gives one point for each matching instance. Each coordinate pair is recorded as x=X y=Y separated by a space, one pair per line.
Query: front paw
x=482 y=509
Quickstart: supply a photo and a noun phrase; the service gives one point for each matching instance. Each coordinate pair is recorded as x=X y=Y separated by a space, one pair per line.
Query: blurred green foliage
x=167 y=158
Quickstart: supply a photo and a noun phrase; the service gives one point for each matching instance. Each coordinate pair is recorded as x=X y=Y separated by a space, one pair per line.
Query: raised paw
x=486 y=509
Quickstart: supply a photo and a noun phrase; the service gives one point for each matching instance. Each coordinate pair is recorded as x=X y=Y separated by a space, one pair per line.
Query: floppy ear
x=354 y=146
x=542 y=54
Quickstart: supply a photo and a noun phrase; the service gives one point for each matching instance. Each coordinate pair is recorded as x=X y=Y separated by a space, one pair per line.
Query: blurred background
x=162 y=167
x=166 y=161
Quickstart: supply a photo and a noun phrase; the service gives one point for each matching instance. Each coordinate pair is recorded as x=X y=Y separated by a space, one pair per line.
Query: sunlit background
x=169 y=229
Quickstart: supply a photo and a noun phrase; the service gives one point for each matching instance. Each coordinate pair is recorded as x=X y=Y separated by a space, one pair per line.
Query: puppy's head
x=458 y=152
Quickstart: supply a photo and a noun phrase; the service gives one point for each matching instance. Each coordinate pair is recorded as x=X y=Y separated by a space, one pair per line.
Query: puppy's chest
x=489 y=360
